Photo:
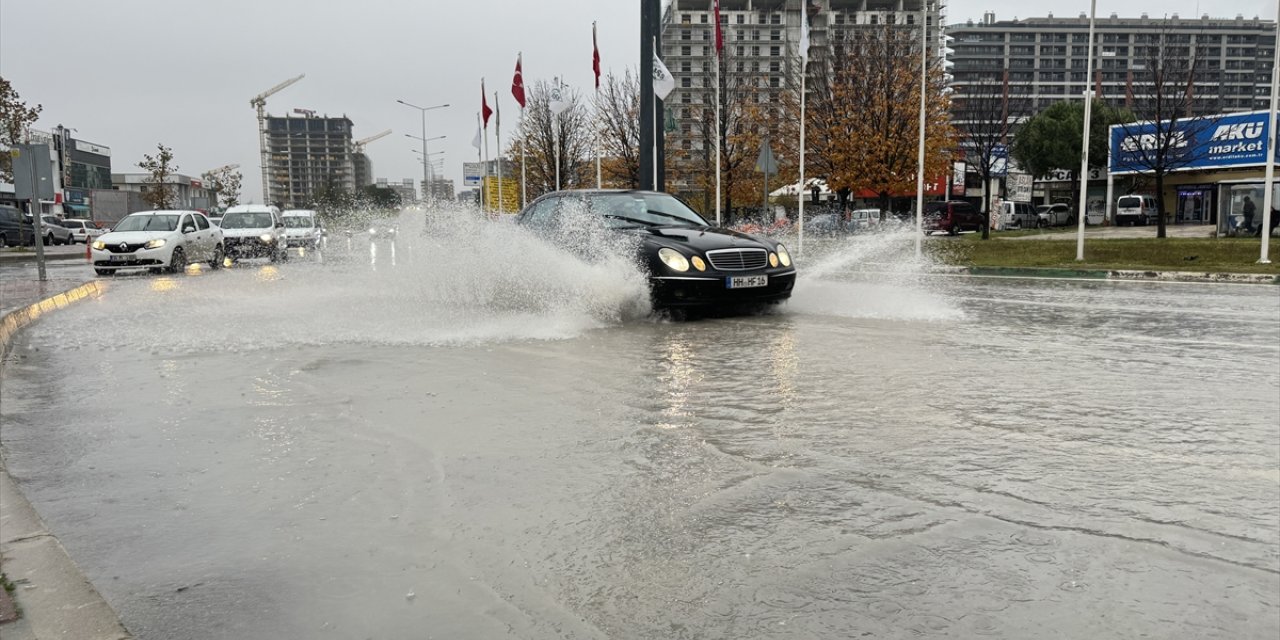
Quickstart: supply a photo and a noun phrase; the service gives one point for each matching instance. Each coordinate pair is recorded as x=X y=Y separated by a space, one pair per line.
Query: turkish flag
x=517 y=84
x=595 y=54
x=485 y=111
x=719 y=35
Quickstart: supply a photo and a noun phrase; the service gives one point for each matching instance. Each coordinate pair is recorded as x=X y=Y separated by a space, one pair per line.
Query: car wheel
x=1043 y=224
x=4 y=240
x=275 y=256
x=218 y=257
x=178 y=261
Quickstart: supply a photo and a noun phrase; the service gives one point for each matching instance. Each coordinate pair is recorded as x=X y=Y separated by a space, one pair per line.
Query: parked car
x=83 y=230
x=15 y=228
x=51 y=229
x=255 y=231
x=1055 y=215
x=1136 y=209
x=157 y=240
x=215 y=220
x=690 y=263
x=952 y=216
x=864 y=219
x=302 y=228
x=1017 y=215
x=826 y=224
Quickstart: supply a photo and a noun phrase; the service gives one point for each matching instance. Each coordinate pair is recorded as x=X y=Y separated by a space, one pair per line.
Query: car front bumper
x=140 y=259
x=713 y=290
x=248 y=248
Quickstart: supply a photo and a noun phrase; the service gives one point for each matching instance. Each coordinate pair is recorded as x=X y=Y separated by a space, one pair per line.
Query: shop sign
x=1209 y=142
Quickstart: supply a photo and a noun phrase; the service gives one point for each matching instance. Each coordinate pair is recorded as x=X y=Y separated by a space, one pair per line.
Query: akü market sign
x=1212 y=142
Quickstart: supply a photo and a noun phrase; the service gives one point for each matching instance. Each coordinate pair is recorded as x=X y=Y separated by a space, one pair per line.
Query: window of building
x=703 y=18
x=684 y=18
x=775 y=83
x=911 y=18
x=775 y=67
x=775 y=19
x=742 y=19
x=687 y=82
x=686 y=50
x=775 y=51
x=775 y=35
x=685 y=34
x=755 y=51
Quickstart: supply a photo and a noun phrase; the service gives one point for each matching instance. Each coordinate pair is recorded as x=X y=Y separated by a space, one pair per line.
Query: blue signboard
x=1212 y=142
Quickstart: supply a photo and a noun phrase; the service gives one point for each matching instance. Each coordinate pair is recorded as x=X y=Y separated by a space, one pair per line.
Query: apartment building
x=307 y=154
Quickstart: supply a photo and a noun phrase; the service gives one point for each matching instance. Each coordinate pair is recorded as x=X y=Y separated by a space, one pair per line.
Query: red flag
x=485 y=111
x=595 y=54
x=517 y=83
x=719 y=35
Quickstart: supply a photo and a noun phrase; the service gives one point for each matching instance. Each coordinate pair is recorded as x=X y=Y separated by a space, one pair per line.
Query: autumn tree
x=224 y=182
x=864 y=115
x=542 y=133
x=157 y=187
x=16 y=119
x=985 y=114
x=1163 y=91
x=618 y=114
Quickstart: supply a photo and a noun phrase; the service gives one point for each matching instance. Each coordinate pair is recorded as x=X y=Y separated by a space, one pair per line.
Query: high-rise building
x=1044 y=59
x=761 y=47
x=362 y=168
x=405 y=189
x=308 y=154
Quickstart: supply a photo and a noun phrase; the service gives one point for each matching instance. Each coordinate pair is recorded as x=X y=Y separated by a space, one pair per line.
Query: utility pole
x=659 y=143
x=37 y=223
x=647 y=36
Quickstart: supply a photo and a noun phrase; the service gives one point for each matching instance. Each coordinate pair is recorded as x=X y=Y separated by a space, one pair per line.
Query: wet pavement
x=485 y=438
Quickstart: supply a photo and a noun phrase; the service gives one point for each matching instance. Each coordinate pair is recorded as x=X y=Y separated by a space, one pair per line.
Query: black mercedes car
x=690 y=262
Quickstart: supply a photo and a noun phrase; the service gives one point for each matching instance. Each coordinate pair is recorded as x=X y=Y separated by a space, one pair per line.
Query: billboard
x=510 y=198
x=471 y=173
x=1211 y=142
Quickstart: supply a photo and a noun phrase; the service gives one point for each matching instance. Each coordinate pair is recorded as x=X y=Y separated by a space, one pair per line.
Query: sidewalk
x=54 y=597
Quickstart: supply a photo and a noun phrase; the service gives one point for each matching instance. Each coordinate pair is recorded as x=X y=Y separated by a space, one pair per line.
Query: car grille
x=124 y=247
x=738 y=259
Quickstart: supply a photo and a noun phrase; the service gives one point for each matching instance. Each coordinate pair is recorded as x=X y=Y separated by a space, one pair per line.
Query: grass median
x=1212 y=255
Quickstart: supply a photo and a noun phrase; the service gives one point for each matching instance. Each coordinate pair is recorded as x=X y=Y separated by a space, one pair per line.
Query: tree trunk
x=1160 y=228
x=884 y=202
x=986 y=205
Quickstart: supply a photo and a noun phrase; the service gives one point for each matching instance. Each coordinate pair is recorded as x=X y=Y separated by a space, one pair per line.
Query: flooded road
x=475 y=442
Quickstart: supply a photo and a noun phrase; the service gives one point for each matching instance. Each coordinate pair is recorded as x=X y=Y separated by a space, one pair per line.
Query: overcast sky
x=131 y=73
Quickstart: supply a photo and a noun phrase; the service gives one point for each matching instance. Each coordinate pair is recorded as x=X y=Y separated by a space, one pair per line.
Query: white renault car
x=255 y=231
x=157 y=240
x=302 y=228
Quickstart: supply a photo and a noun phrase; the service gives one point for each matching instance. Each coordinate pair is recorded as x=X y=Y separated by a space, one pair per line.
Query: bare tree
x=618 y=110
x=225 y=184
x=985 y=114
x=158 y=186
x=541 y=134
x=1164 y=91
x=16 y=119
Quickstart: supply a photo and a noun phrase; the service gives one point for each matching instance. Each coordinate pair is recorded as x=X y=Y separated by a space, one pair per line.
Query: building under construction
x=308 y=154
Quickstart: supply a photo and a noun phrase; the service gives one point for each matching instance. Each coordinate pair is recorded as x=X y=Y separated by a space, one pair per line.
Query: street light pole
x=1084 y=143
x=1268 y=200
x=426 y=177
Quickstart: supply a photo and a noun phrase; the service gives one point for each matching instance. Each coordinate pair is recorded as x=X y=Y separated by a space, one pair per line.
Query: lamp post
x=1083 y=211
x=426 y=179
x=426 y=170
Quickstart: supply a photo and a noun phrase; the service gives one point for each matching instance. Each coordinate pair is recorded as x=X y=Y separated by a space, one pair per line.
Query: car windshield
x=643 y=209
x=1130 y=201
x=297 y=222
x=149 y=222
x=259 y=220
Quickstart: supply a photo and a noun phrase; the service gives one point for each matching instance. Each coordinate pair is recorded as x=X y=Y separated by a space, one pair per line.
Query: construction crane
x=259 y=102
x=225 y=167
x=359 y=144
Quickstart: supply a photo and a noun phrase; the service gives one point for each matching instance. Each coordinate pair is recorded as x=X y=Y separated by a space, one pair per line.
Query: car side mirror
x=188 y=229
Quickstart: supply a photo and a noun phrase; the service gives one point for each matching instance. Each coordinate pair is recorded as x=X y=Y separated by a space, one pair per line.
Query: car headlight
x=673 y=259
x=783 y=256
x=155 y=244
x=99 y=245
x=266 y=237
x=698 y=263
x=773 y=259
x=372 y=231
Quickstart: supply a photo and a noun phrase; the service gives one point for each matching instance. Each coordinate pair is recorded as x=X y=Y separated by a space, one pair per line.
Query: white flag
x=475 y=142
x=804 y=35
x=663 y=82
x=558 y=101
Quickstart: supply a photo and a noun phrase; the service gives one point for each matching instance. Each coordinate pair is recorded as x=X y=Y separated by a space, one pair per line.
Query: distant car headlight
x=266 y=237
x=698 y=263
x=673 y=259
x=99 y=245
x=783 y=256
x=372 y=231
x=773 y=259
x=155 y=244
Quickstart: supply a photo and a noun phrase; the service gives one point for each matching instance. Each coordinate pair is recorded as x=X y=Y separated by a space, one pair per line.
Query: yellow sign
x=14 y=152
x=510 y=194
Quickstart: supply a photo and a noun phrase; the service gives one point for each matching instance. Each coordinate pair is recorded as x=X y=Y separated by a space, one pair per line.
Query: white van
x=1136 y=209
x=303 y=229
x=254 y=231
x=1015 y=215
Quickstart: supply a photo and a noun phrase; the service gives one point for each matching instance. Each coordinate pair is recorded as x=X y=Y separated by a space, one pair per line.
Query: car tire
x=218 y=257
x=4 y=240
x=178 y=261
x=105 y=272
x=1043 y=224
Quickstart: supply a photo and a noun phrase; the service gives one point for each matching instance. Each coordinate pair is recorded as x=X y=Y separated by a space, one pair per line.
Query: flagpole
x=524 y=142
x=555 y=136
x=595 y=53
x=484 y=190
x=497 y=131
x=719 y=221
x=803 y=77
x=924 y=49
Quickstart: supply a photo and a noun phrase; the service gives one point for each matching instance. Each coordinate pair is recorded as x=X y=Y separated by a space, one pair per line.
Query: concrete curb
x=1116 y=274
x=57 y=600
x=31 y=257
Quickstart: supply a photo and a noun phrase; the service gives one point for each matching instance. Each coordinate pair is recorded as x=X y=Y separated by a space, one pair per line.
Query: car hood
x=246 y=233
x=132 y=237
x=702 y=239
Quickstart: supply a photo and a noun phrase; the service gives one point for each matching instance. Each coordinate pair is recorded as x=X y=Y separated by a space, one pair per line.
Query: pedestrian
x=1248 y=210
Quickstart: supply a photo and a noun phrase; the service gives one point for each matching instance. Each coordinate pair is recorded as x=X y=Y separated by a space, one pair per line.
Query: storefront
x=1217 y=162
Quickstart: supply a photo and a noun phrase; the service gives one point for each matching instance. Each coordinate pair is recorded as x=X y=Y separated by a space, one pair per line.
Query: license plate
x=746 y=282
x=116 y=257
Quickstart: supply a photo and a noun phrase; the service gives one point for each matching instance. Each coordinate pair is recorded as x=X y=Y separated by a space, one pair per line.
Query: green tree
x=16 y=119
x=157 y=189
x=224 y=182
x=1050 y=140
x=381 y=197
